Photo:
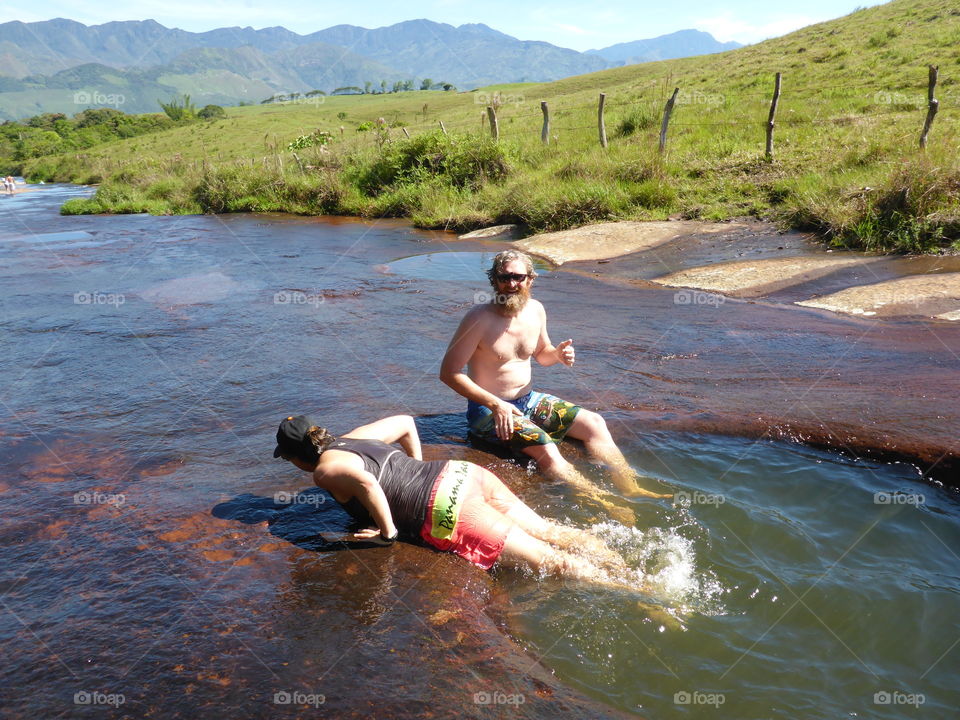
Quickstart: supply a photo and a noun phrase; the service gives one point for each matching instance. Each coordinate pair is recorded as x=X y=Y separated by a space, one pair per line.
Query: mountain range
x=65 y=66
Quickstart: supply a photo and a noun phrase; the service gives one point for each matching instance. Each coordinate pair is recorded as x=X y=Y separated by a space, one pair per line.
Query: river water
x=157 y=562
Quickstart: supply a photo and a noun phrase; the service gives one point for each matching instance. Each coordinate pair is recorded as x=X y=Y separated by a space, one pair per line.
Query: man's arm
x=547 y=353
x=464 y=344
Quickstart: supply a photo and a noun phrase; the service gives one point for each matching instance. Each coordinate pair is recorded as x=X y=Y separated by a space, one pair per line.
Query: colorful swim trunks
x=546 y=419
x=467 y=513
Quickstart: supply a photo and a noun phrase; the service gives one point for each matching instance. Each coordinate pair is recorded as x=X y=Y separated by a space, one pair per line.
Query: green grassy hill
x=846 y=159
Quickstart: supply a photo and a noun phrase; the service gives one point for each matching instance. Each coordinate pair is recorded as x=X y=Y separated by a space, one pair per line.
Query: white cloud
x=726 y=27
x=574 y=30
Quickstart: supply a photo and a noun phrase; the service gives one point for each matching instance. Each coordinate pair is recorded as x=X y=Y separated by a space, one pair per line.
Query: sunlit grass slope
x=846 y=156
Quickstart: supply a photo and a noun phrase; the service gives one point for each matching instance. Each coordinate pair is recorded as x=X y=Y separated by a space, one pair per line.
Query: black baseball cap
x=292 y=435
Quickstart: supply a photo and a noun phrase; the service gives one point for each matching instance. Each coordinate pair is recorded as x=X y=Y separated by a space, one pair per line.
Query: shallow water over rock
x=154 y=551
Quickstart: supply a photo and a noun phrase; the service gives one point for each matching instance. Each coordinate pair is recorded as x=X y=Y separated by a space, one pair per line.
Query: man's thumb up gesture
x=565 y=353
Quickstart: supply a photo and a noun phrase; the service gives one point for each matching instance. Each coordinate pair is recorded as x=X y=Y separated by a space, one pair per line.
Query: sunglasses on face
x=512 y=277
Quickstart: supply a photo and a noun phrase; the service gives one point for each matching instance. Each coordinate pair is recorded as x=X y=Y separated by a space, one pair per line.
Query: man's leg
x=590 y=428
x=556 y=467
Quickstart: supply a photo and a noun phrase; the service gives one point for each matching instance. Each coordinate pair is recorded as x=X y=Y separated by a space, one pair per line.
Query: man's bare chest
x=515 y=339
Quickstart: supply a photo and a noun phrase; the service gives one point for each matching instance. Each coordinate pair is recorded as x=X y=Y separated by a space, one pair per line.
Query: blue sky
x=568 y=23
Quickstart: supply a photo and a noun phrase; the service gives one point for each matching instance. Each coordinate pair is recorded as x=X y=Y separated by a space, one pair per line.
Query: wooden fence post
x=600 y=126
x=442 y=128
x=406 y=133
x=932 y=104
x=545 y=132
x=494 y=126
x=773 y=112
x=667 y=110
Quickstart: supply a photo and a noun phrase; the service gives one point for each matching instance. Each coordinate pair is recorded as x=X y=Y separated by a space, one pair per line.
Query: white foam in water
x=665 y=563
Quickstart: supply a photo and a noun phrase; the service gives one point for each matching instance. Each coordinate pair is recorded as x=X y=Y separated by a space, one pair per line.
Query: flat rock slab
x=754 y=278
x=609 y=240
x=497 y=231
x=936 y=295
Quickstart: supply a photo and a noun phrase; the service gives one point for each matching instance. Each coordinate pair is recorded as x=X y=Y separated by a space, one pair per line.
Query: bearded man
x=495 y=342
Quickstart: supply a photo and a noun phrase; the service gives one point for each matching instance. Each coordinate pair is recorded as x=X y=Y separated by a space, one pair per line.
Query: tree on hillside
x=179 y=108
x=97 y=116
x=367 y=87
x=46 y=121
x=212 y=112
x=348 y=90
x=426 y=84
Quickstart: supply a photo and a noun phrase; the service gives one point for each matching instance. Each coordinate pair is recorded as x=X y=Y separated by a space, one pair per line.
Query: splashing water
x=664 y=566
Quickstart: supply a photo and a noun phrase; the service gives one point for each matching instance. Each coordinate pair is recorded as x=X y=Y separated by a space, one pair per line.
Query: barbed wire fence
x=656 y=111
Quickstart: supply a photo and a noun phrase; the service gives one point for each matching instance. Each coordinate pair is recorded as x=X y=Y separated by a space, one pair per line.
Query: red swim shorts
x=466 y=514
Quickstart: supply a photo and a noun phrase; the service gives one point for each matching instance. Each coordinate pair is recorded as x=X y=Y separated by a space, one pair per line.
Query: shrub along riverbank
x=846 y=160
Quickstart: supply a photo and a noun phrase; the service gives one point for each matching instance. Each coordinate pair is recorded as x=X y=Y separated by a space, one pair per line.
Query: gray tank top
x=406 y=482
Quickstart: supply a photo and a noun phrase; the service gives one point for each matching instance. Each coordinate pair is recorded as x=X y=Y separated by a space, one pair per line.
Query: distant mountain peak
x=680 y=43
x=229 y=64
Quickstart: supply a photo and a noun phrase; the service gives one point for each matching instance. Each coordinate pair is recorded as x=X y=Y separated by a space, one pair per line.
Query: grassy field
x=846 y=159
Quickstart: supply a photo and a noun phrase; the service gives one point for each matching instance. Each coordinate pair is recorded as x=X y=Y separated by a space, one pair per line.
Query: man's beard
x=510 y=304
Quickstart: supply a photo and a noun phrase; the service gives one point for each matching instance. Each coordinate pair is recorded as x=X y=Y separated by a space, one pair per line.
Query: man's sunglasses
x=515 y=277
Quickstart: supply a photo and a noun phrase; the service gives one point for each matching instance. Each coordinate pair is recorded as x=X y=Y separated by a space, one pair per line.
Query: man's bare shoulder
x=481 y=313
x=535 y=307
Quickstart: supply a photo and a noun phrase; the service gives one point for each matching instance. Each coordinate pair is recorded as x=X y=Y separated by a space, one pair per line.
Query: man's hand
x=503 y=419
x=565 y=353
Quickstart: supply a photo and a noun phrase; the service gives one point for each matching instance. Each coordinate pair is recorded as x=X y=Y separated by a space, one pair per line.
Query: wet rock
x=936 y=295
x=500 y=232
x=607 y=240
x=755 y=278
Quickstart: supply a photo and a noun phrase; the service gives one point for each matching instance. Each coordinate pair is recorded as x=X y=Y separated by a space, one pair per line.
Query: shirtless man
x=495 y=341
